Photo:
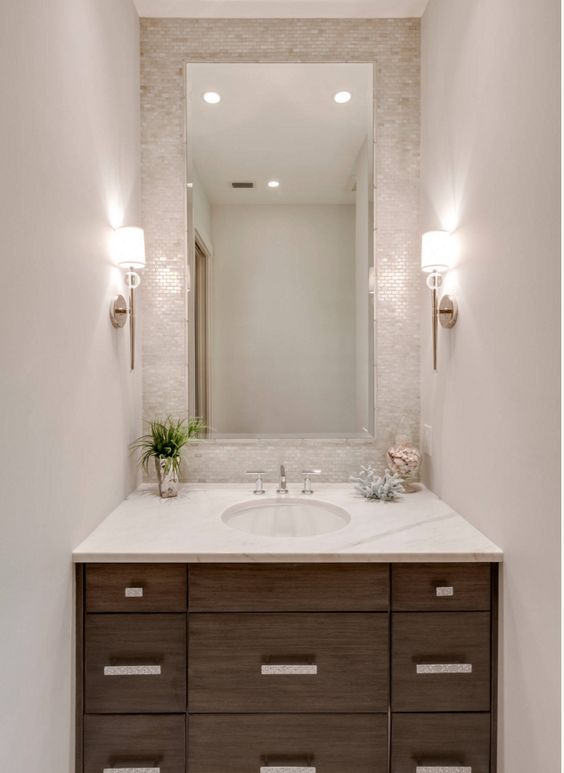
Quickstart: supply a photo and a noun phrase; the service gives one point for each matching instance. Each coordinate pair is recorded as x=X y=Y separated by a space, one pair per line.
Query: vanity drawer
x=288 y=662
x=289 y=588
x=287 y=744
x=440 y=661
x=145 y=744
x=440 y=743
x=440 y=587
x=136 y=587
x=135 y=663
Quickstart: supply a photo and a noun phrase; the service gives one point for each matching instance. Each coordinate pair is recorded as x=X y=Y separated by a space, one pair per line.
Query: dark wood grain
x=289 y=588
x=332 y=743
x=441 y=740
x=164 y=587
x=118 y=640
x=135 y=741
x=227 y=651
x=440 y=637
x=79 y=666
x=414 y=587
x=494 y=665
x=327 y=614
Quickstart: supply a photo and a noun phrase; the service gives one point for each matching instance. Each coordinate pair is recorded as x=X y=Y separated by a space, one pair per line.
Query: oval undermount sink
x=286 y=518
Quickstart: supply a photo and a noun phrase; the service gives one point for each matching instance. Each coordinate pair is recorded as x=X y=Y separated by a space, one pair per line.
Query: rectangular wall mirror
x=280 y=243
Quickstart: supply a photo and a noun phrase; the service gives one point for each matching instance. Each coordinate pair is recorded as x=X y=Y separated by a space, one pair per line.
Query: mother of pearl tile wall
x=392 y=45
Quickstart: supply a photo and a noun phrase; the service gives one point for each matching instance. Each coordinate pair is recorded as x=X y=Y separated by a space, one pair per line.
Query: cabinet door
x=135 y=663
x=253 y=743
x=288 y=662
x=143 y=743
x=441 y=661
x=440 y=743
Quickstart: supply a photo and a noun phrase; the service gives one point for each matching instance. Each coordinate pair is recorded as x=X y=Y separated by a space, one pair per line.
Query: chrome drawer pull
x=286 y=769
x=132 y=671
x=444 y=668
x=442 y=769
x=283 y=670
x=442 y=591
x=134 y=593
x=131 y=770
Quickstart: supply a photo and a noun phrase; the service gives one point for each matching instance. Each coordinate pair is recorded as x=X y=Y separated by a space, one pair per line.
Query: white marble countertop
x=188 y=528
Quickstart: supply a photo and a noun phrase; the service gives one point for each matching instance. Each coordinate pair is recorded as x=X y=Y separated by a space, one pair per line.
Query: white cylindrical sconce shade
x=437 y=251
x=128 y=247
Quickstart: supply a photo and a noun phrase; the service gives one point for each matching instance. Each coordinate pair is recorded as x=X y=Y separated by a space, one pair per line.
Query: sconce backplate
x=448 y=311
x=118 y=311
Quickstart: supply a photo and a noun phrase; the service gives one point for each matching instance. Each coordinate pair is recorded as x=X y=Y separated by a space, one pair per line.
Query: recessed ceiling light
x=273 y=184
x=342 y=96
x=211 y=97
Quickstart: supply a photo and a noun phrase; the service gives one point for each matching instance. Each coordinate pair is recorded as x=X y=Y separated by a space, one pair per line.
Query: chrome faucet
x=282 y=488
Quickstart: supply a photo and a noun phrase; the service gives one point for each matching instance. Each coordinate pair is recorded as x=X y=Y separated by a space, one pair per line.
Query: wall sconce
x=437 y=256
x=128 y=251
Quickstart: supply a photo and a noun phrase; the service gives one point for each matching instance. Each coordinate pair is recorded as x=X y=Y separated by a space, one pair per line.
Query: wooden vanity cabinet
x=301 y=668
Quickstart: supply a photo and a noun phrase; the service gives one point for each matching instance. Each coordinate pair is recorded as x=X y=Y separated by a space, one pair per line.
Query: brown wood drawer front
x=440 y=742
x=136 y=641
x=435 y=640
x=245 y=744
x=136 y=587
x=228 y=653
x=289 y=588
x=135 y=742
x=440 y=587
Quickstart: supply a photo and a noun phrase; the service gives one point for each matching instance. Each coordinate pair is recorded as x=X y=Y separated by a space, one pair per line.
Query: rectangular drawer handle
x=296 y=763
x=134 y=593
x=444 y=590
x=288 y=669
x=444 y=668
x=286 y=769
x=132 y=671
x=442 y=769
x=131 y=770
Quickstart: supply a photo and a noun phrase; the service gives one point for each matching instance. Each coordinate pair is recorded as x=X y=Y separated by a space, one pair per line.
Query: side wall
x=490 y=170
x=69 y=147
x=393 y=46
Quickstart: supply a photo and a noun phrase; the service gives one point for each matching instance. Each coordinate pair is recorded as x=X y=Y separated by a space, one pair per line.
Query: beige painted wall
x=283 y=320
x=490 y=156
x=69 y=147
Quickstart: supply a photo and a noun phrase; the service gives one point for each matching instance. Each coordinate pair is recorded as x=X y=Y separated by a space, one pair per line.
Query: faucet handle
x=307 y=489
x=259 y=485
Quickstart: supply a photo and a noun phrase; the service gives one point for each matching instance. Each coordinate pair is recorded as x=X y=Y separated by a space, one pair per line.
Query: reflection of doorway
x=201 y=331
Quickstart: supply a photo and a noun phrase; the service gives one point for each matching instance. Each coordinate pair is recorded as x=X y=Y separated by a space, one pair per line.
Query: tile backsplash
x=392 y=45
x=227 y=461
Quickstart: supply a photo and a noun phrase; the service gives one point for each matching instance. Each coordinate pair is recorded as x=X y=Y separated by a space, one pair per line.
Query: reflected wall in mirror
x=280 y=243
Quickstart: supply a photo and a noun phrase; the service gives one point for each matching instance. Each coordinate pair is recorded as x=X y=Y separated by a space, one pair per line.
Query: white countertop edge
x=286 y=558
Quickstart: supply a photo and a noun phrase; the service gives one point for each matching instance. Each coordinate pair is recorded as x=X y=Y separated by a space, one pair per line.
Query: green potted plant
x=164 y=443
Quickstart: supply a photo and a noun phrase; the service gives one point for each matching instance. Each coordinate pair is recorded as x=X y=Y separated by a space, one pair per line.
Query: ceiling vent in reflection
x=242 y=185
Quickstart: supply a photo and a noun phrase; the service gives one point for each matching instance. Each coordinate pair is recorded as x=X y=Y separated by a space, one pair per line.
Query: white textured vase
x=168 y=478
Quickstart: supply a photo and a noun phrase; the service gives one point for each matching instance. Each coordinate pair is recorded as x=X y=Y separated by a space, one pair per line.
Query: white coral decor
x=384 y=487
